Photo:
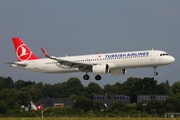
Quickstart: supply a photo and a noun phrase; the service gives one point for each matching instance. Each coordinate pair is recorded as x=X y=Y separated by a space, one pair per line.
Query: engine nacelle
x=117 y=71
x=100 y=69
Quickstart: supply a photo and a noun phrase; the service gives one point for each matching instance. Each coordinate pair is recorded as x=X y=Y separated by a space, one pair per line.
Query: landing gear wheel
x=86 y=77
x=98 y=77
x=155 y=73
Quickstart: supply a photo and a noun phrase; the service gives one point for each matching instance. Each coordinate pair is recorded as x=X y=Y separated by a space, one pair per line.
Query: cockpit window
x=164 y=54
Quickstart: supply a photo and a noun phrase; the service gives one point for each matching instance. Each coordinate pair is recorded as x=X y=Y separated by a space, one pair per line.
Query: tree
x=3 y=108
x=73 y=96
x=83 y=103
x=172 y=104
x=49 y=91
x=175 y=88
x=93 y=88
x=10 y=98
x=97 y=106
x=132 y=108
x=141 y=107
x=72 y=86
x=135 y=86
x=128 y=84
x=19 y=84
x=6 y=82
x=75 y=87
x=29 y=83
x=24 y=97
x=154 y=107
x=118 y=106
x=160 y=89
x=6 y=94
x=39 y=87
x=116 y=88
x=107 y=89
x=131 y=87
x=167 y=87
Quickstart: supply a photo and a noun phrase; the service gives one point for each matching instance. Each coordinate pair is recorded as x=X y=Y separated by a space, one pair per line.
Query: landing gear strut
x=155 y=73
x=86 y=77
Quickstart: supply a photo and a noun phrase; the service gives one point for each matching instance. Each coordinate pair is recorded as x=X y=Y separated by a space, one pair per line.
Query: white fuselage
x=122 y=60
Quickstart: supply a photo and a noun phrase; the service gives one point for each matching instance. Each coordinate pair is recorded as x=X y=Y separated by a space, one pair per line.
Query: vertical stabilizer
x=23 y=53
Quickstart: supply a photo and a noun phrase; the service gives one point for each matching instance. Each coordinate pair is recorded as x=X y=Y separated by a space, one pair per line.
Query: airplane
x=114 y=63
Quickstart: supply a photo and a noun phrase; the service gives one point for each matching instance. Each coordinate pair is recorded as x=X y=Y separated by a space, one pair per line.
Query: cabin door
x=152 y=55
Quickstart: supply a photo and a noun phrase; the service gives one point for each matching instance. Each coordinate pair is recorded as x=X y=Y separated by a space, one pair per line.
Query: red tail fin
x=22 y=51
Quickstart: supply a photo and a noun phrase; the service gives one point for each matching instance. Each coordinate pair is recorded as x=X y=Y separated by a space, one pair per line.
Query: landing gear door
x=152 y=55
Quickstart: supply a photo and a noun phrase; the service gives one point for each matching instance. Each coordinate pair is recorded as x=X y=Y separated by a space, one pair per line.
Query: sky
x=78 y=27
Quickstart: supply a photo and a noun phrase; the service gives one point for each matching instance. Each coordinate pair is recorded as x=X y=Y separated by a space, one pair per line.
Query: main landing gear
x=86 y=77
x=98 y=77
x=155 y=73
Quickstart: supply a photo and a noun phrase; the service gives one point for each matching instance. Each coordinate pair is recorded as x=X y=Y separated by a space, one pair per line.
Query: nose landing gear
x=155 y=73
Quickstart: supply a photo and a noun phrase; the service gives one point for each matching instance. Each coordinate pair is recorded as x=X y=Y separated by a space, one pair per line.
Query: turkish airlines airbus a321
x=113 y=63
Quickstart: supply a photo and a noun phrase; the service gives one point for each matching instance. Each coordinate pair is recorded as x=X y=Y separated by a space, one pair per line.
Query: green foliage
x=19 y=84
x=24 y=97
x=98 y=106
x=48 y=90
x=93 y=88
x=116 y=88
x=83 y=103
x=154 y=107
x=175 y=88
x=73 y=96
x=118 y=106
x=141 y=107
x=58 y=111
x=135 y=86
x=132 y=108
x=66 y=89
x=172 y=104
x=15 y=94
x=75 y=86
x=3 y=108
x=6 y=83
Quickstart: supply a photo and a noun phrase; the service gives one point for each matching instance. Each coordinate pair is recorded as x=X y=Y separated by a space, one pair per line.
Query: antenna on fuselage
x=99 y=54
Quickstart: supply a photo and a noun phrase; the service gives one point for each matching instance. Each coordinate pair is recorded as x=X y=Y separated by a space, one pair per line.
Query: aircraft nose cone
x=172 y=59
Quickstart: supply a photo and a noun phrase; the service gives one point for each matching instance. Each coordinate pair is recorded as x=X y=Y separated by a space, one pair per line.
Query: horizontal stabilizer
x=19 y=64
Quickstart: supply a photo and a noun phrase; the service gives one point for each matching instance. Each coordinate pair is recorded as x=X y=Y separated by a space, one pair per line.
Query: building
x=109 y=99
x=146 y=98
x=55 y=102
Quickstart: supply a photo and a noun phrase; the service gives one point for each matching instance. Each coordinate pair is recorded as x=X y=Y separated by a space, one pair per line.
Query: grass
x=86 y=118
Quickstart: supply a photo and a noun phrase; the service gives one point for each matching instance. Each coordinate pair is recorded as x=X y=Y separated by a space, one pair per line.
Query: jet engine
x=117 y=71
x=100 y=69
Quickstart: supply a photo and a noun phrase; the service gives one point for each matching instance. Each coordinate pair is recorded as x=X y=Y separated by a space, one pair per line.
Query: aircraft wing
x=19 y=64
x=71 y=64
